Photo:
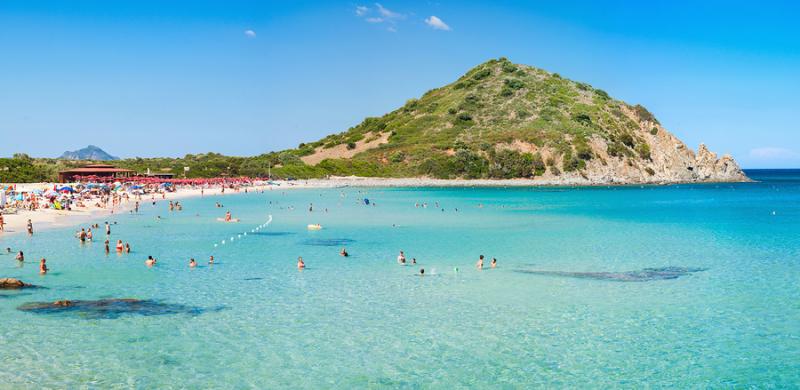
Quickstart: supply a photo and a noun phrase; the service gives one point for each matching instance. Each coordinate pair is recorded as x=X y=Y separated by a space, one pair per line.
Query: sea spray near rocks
x=643 y=275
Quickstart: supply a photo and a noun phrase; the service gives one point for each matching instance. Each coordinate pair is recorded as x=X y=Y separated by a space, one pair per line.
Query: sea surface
x=682 y=286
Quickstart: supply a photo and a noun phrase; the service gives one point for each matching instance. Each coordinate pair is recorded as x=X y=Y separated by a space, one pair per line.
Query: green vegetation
x=496 y=121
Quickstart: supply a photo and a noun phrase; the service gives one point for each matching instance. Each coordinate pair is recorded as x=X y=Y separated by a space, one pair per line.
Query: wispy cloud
x=388 y=14
x=437 y=24
x=380 y=15
x=249 y=33
x=774 y=153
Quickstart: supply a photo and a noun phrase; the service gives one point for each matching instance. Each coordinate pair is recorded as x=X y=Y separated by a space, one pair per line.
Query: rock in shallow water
x=11 y=283
x=644 y=275
x=111 y=308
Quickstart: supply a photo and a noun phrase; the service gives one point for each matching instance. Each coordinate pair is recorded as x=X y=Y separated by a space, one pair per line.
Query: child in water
x=42 y=266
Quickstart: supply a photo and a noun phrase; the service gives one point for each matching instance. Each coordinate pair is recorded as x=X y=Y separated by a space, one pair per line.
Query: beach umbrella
x=66 y=189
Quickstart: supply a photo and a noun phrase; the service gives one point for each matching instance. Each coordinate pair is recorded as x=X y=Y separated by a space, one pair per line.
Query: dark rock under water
x=112 y=308
x=643 y=275
x=328 y=242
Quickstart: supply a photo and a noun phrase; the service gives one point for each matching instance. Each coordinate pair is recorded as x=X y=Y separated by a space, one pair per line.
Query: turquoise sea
x=714 y=301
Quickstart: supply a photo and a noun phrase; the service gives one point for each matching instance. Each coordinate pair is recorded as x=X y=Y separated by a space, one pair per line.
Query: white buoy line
x=239 y=236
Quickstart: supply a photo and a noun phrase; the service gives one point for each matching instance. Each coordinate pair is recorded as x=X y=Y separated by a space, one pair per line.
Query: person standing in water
x=127 y=247
x=108 y=250
x=150 y=261
x=211 y=260
x=344 y=253
x=192 y=263
x=108 y=229
x=494 y=262
x=30 y=228
x=479 y=264
x=20 y=256
x=300 y=264
x=43 y=266
x=401 y=258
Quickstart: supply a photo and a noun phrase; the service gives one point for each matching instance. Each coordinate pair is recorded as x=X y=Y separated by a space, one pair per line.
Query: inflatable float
x=314 y=227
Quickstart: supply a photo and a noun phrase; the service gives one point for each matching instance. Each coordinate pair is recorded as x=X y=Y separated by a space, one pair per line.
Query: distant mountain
x=90 y=152
x=504 y=120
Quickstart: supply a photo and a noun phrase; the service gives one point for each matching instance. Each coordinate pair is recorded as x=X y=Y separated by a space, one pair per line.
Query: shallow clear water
x=254 y=320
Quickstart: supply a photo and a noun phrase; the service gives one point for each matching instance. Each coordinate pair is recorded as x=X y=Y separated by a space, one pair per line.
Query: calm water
x=253 y=320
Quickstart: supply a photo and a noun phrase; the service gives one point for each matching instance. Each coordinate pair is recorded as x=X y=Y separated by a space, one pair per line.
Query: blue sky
x=152 y=78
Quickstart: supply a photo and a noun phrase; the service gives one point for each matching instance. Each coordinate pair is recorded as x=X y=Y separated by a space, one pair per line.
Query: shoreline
x=46 y=219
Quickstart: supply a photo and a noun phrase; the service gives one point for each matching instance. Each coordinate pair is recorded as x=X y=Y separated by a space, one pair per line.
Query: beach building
x=96 y=170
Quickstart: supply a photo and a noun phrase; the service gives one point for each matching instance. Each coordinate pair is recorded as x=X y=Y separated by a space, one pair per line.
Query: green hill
x=498 y=121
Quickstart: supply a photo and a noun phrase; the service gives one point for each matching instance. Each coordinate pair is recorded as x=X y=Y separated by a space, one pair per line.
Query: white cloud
x=250 y=33
x=773 y=153
x=391 y=29
x=374 y=20
x=388 y=14
x=361 y=10
x=437 y=23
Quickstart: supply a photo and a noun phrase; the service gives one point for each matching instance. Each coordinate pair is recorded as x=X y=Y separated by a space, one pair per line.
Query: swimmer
x=344 y=253
x=227 y=216
x=300 y=263
x=120 y=247
x=401 y=258
x=42 y=266
x=210 y=260
x=150 y=261
x=479 y=264
x=20 y=256
x=413 y=260
x=127 y=248
x=422 y=272
x=8 y=250
x=192 y=263
x=494 y=262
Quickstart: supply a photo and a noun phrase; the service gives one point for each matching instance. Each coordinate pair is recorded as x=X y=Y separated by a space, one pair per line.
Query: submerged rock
x=110 y=308
x=643 y=275
x=12 y=284
x=328 y=242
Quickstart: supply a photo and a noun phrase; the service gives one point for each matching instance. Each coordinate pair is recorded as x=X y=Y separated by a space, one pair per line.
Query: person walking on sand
x=2 y=223
x=479 y=264
x=43 y=266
